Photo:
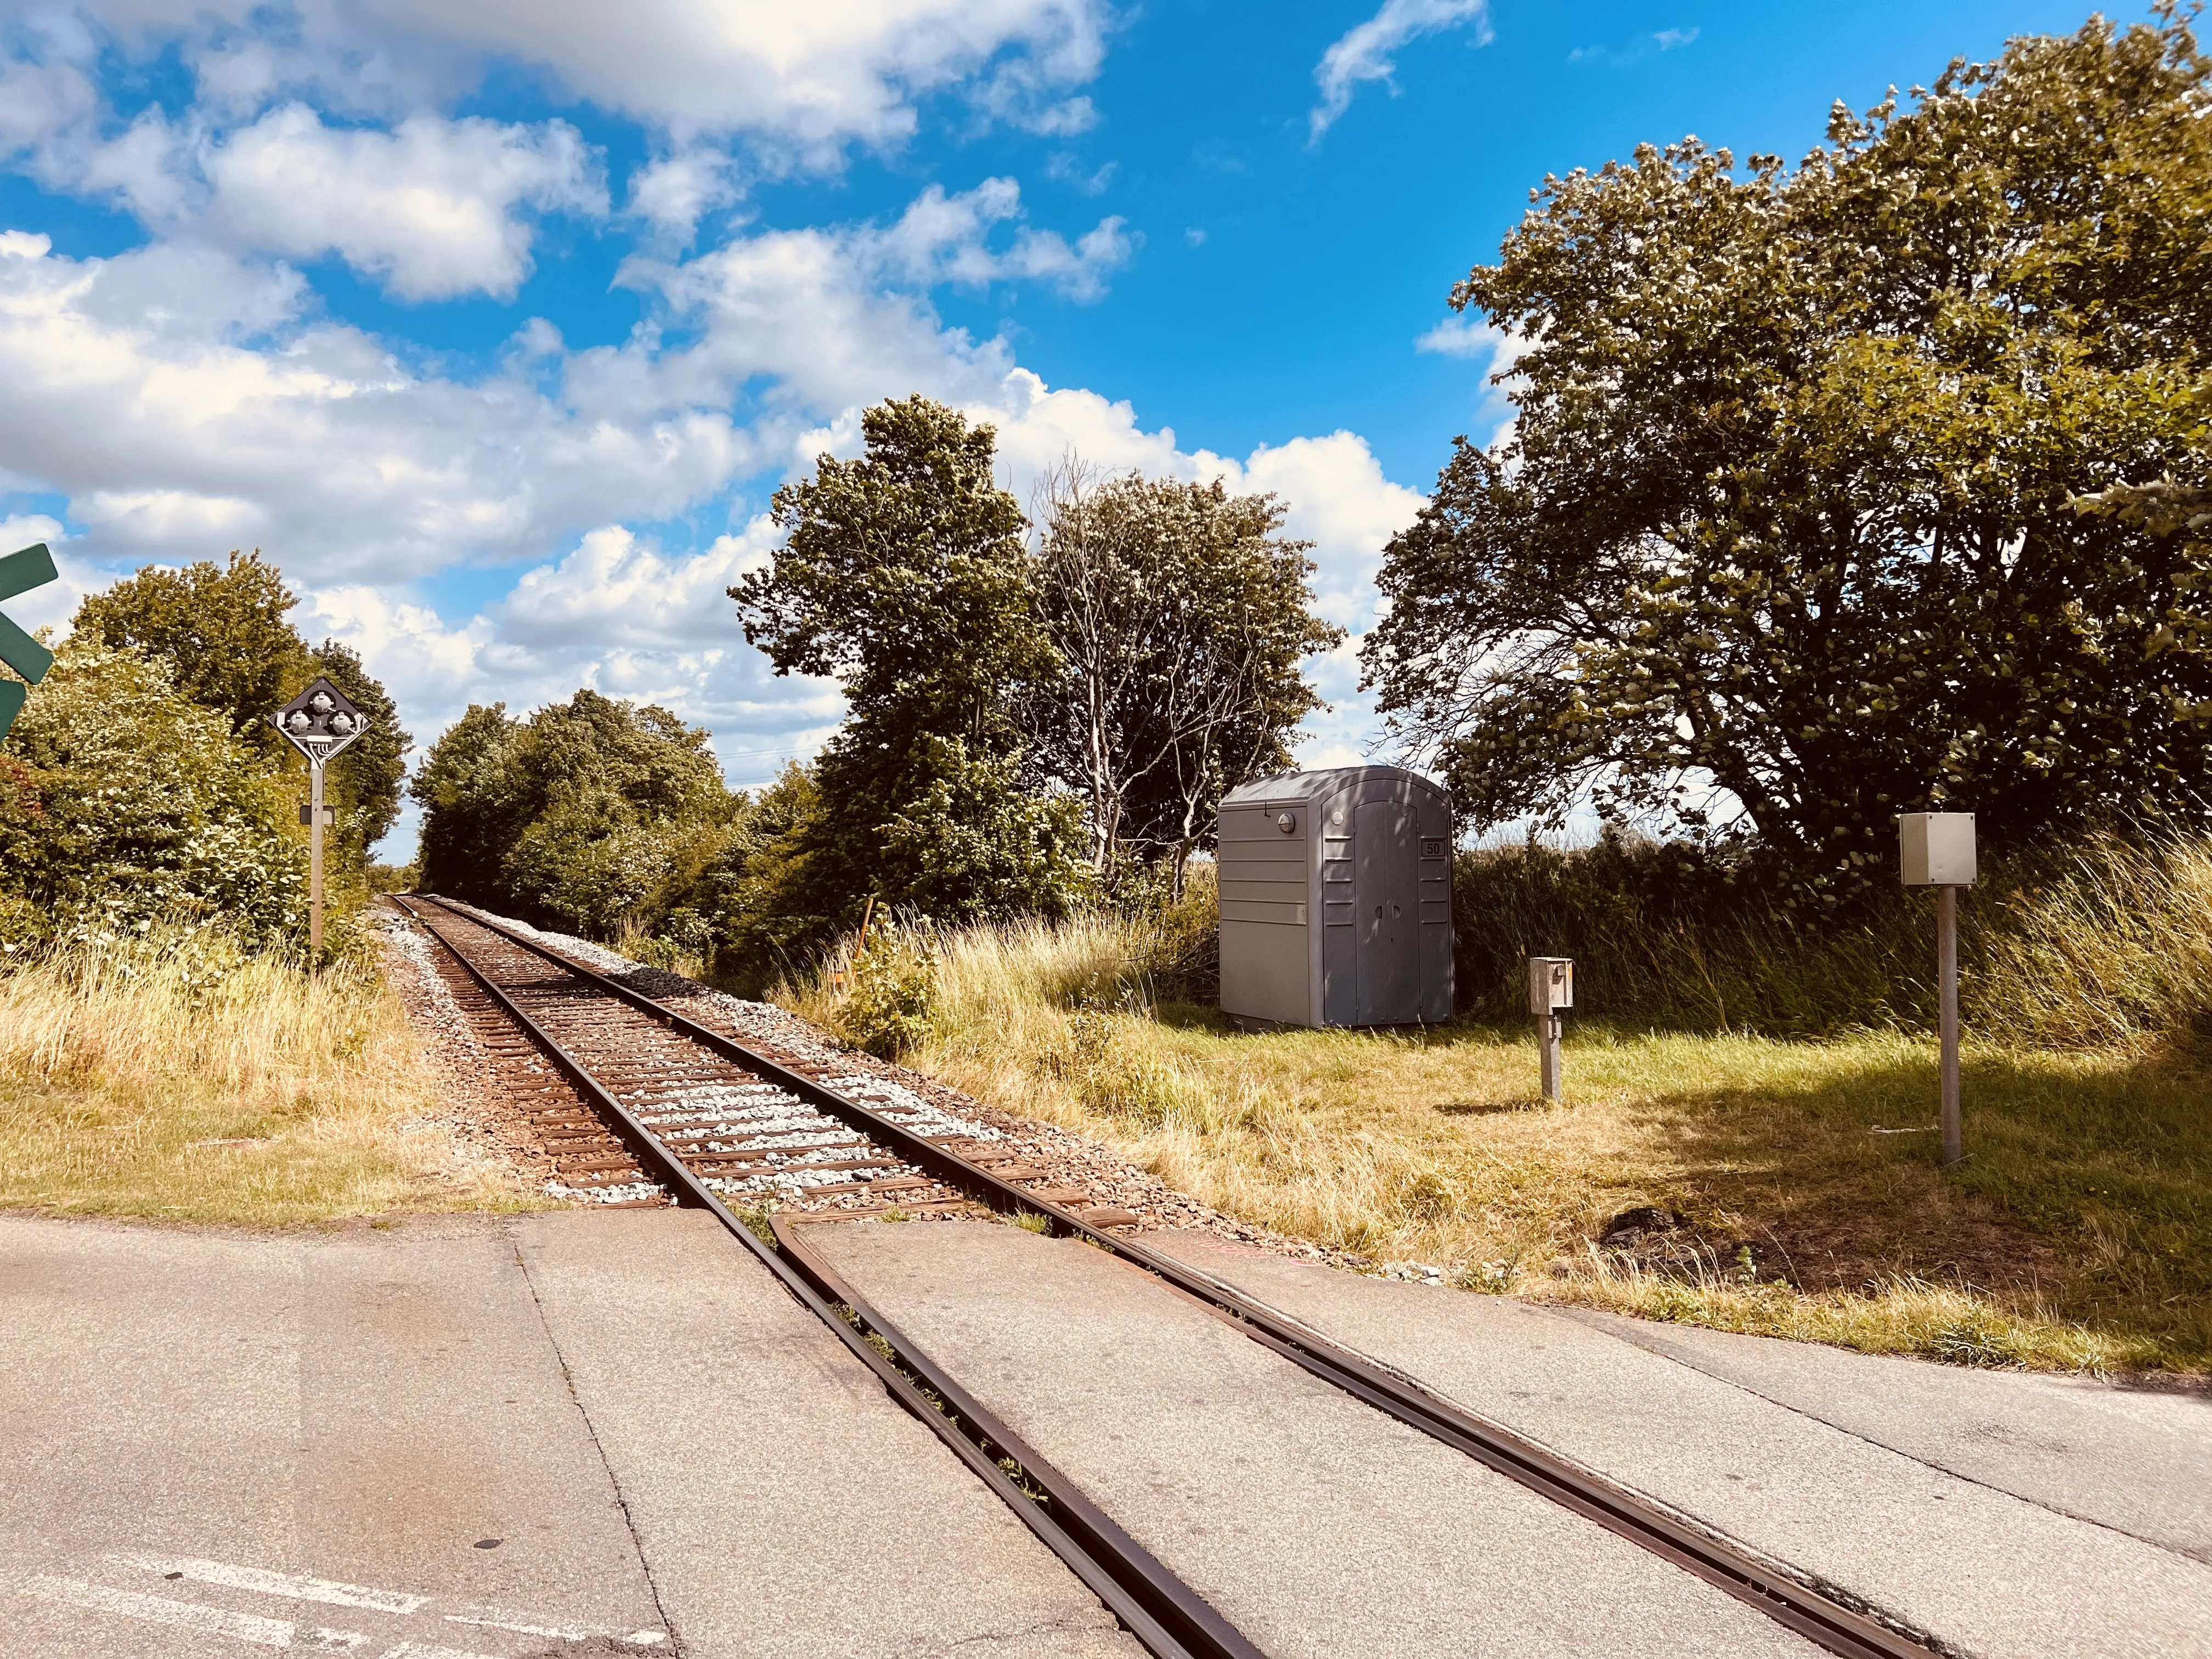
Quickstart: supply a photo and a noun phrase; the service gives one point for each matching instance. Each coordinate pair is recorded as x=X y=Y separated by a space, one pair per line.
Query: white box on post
x=1937 y=849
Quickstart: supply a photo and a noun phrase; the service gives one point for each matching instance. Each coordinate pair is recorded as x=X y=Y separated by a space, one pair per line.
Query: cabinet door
x=1386 y=863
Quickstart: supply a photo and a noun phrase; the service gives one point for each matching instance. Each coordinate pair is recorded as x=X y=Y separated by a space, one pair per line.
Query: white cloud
x=185 y=400
x=1471 y=337
x=1068 y=169
x=801 y=80
x=1459 y=336
x=1670 y=39
x=673 y=192
x=432 y=204
x=1368 y=53
x=614 y=589
x=942 y=238
x=130 y=394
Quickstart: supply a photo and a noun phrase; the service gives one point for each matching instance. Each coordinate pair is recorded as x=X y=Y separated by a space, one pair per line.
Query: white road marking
x=566 y=1633
x=159 y=1610
x=425 y=1650
x=274 y=1584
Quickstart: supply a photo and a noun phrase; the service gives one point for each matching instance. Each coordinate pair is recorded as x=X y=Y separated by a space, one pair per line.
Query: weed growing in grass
x=1030 y=1221
x=175 y=1076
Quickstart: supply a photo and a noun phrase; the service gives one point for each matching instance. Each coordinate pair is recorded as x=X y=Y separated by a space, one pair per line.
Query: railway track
x=641 y=1105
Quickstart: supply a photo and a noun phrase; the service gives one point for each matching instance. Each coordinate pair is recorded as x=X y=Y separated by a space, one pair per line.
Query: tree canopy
x=229 y=647
x=593 y=815
x=1789 y=499
x=114 y=825
x=904 y=575
x=1180 y=617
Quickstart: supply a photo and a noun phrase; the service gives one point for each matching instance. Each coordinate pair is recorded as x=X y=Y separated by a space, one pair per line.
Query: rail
x=1145 y=1587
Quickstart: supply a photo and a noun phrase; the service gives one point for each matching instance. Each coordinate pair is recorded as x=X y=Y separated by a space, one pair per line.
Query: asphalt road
x=2001 y=1514
x=498 y=1437
x=495 y=1438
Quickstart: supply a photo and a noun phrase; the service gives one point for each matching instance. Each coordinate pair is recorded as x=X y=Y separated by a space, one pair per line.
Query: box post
x=1947 y=1019
x=1551 y=987
x=1937 y=849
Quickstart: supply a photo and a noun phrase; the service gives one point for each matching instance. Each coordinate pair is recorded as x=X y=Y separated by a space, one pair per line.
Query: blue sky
x=497 y=325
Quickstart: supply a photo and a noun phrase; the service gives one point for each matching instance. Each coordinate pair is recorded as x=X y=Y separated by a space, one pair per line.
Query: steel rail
x=1166 y=1615
x=1820 y=1617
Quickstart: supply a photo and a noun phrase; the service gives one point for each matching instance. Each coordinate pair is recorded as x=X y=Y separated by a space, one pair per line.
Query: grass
x=2079 y=1235
x=178 y=1080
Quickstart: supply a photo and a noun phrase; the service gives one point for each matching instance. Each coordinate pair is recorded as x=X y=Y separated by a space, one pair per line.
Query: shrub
x=123 y=806
x=893 y=993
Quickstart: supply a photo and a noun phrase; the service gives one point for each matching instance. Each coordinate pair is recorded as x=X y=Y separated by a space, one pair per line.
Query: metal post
x=1550 y=1027
x=315 y=866
x=1947 y=979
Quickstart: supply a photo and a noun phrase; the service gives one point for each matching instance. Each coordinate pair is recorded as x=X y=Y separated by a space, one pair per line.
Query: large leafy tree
x=124 y=805
x=903 y=576
x=223 y=631
x=224 y=637
x=1788 y=500
x=593 y=814
x=1181 y=614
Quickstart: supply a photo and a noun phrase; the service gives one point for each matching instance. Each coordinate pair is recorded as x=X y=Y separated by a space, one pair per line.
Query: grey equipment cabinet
x=1336 y=899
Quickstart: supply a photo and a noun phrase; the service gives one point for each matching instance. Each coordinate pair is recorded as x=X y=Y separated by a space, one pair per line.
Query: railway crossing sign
x=318 y=722
x=21 y=572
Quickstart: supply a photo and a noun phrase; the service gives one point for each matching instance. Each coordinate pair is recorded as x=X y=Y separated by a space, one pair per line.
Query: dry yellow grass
x=179 y=1080
x=2077 y=1238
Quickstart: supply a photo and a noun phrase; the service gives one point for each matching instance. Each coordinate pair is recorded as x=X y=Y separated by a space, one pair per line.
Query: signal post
x=318 y=722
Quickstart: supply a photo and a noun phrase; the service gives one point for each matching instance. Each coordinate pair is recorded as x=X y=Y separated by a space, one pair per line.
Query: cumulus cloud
x=941 y=238
x=1369 y=51
x=674 y=191
x=185 y=399
x=130 y=394
x=801 y=80
x=432 y=205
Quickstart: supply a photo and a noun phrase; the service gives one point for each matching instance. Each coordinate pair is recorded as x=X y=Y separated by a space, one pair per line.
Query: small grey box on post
x=1937 y=849
x=1336 y=899
x=1551 y=987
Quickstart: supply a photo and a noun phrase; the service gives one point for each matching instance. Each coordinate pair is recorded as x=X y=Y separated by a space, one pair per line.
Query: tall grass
x=2107 y=941
x=177 y=1076
x=2078 y=1234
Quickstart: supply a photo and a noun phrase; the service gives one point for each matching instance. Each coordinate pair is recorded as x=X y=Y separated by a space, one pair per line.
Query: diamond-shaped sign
x=320 y=721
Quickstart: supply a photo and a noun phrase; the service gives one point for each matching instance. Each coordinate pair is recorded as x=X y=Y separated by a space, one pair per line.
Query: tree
x=229 y=648
x=125 y=807
x=1787 y=501
x=593 y=814
x=470 y=814
x=365 y=778
x=1180 y=617
x=223 y=632
x=904 y=575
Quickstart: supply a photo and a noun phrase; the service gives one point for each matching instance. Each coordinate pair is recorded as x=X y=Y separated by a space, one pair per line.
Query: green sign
x=18 y=573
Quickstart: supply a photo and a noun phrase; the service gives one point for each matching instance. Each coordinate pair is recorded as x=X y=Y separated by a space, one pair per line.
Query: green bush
x=893 y=993
x=125 y=807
